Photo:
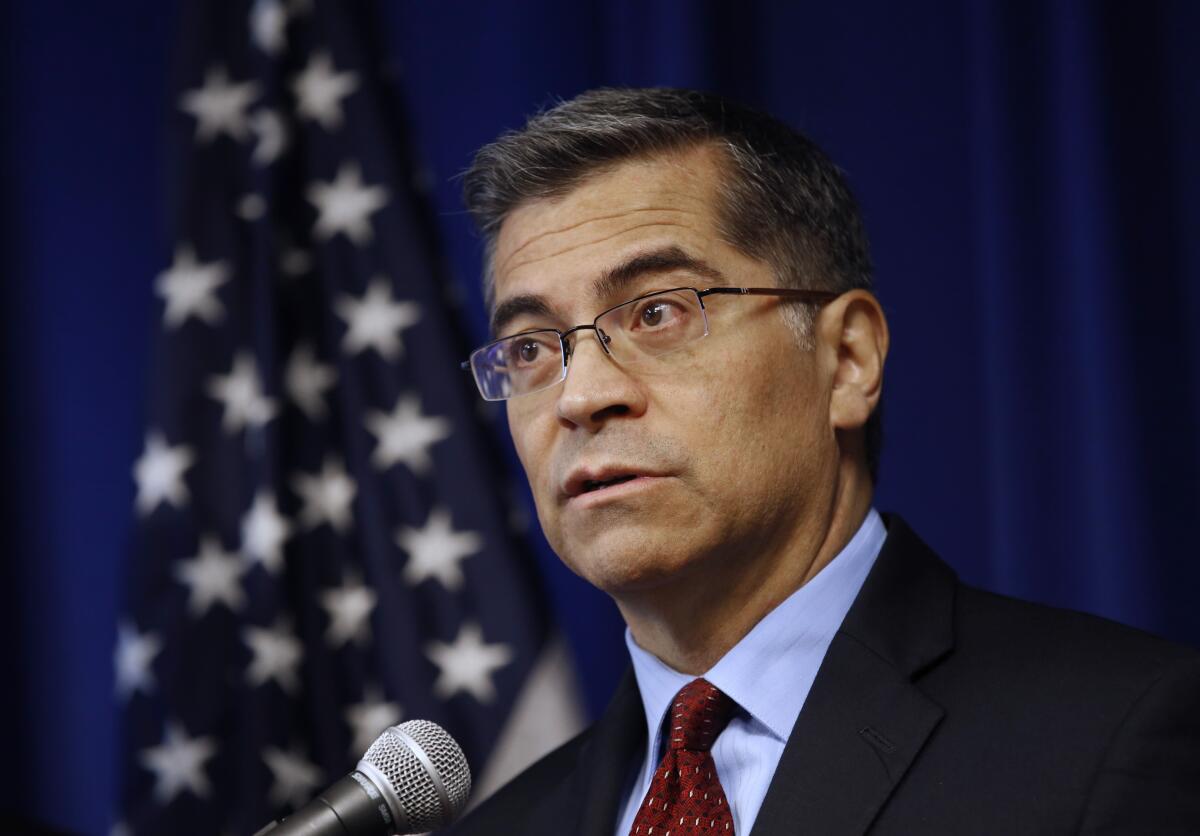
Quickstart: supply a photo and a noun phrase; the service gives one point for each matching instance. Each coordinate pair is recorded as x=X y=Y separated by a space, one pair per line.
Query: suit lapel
x=606 y=760
x=864 y=721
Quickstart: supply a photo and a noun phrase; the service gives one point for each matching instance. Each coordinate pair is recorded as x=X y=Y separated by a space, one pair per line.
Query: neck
x=690 y=624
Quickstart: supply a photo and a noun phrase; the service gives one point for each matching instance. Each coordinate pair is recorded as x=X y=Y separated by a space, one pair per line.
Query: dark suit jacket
x=939 y=709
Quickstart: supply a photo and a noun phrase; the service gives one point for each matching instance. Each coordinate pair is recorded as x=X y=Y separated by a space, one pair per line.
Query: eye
x=527 y=351
x=656 y=313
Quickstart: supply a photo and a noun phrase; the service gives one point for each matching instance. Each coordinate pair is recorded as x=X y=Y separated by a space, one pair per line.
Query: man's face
x=728 y=439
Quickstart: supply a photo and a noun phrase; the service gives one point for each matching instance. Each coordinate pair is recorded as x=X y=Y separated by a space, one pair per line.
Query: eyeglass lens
x=648 y=326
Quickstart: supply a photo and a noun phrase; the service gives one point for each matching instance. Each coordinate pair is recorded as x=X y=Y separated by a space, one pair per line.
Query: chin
x=621 y=562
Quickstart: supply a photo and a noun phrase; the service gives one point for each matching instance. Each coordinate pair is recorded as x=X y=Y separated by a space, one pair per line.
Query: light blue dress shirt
x=768 y=674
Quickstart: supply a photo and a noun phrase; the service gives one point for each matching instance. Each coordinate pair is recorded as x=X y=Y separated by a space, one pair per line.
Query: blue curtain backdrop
x=1030 y=180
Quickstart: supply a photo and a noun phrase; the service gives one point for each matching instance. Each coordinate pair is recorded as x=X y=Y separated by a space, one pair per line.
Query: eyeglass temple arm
x=791 y=293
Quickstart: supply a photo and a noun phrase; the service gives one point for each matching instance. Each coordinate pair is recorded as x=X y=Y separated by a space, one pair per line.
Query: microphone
x=414 y=778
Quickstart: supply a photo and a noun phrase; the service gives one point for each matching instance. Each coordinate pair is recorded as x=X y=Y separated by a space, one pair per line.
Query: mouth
x=596 y=484
x=588 y=482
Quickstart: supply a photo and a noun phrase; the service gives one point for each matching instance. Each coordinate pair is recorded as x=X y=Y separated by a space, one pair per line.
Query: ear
x=854 y=331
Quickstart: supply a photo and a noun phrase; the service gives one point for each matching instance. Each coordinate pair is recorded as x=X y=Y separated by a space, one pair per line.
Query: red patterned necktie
x=685 y=797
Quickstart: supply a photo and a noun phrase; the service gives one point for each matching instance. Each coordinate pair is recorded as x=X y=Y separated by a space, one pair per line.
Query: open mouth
x=594 y=485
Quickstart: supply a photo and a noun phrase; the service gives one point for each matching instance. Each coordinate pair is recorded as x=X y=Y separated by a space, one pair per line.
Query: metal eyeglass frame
x=818 y=297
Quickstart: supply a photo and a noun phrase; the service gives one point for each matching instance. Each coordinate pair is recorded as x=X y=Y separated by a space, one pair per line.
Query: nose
x=597 y=389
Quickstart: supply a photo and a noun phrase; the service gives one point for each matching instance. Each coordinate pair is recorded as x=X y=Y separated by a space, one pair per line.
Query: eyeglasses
x=646 y=327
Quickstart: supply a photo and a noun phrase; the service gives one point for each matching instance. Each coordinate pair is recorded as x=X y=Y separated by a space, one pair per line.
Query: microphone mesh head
x=414 y=787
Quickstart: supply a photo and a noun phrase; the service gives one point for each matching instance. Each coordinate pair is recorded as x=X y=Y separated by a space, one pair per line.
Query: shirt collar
x=789 y=643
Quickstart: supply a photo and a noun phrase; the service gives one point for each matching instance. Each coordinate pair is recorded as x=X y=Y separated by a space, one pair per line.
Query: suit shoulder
x=1064 y=641
x=514 y=801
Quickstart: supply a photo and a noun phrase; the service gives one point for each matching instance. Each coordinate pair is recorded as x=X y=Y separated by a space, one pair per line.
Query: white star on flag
x=405 y=435
x=294 y=261
x=159 y=474
x=189 y=289
x=369 y=718
x=268 y=26
x=376 y=320
x=219 y=106
x=134 y=654
x=349 y=607
x=251 y=207
x=277 y=653
x=436 y=550
x=345 y=205
x=319 y=91
x=213 y=576
x=467 y=664
x=240 y=392
x=178 y=763
x=272 y=135
x=305 y=380
x=264 y=531
x=326 y=496
x=293 y=777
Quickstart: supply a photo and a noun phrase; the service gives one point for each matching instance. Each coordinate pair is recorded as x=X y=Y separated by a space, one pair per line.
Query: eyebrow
x=611 y=282
x=510 y=309
x=663 y=260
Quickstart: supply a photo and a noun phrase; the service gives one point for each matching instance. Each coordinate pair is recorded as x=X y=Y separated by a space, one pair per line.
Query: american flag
x=320 y=550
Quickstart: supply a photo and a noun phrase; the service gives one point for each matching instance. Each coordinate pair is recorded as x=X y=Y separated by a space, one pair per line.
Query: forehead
x=557 y=247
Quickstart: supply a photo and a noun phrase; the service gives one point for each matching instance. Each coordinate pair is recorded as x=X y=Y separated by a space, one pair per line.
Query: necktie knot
x=699 y=712
x=685 y=796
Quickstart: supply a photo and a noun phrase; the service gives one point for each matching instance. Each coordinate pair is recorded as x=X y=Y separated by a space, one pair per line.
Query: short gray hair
x=782 y=200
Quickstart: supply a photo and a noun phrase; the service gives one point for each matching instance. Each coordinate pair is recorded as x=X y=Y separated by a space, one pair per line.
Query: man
x=692 y=362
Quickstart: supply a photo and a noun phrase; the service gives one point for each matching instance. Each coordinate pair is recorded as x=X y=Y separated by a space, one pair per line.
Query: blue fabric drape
x=1031 y=185
x=1083 y=140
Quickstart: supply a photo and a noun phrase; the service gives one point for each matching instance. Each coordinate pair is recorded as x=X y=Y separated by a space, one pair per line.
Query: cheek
x=767 y=434
x=533 y=444
x=533 y=449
